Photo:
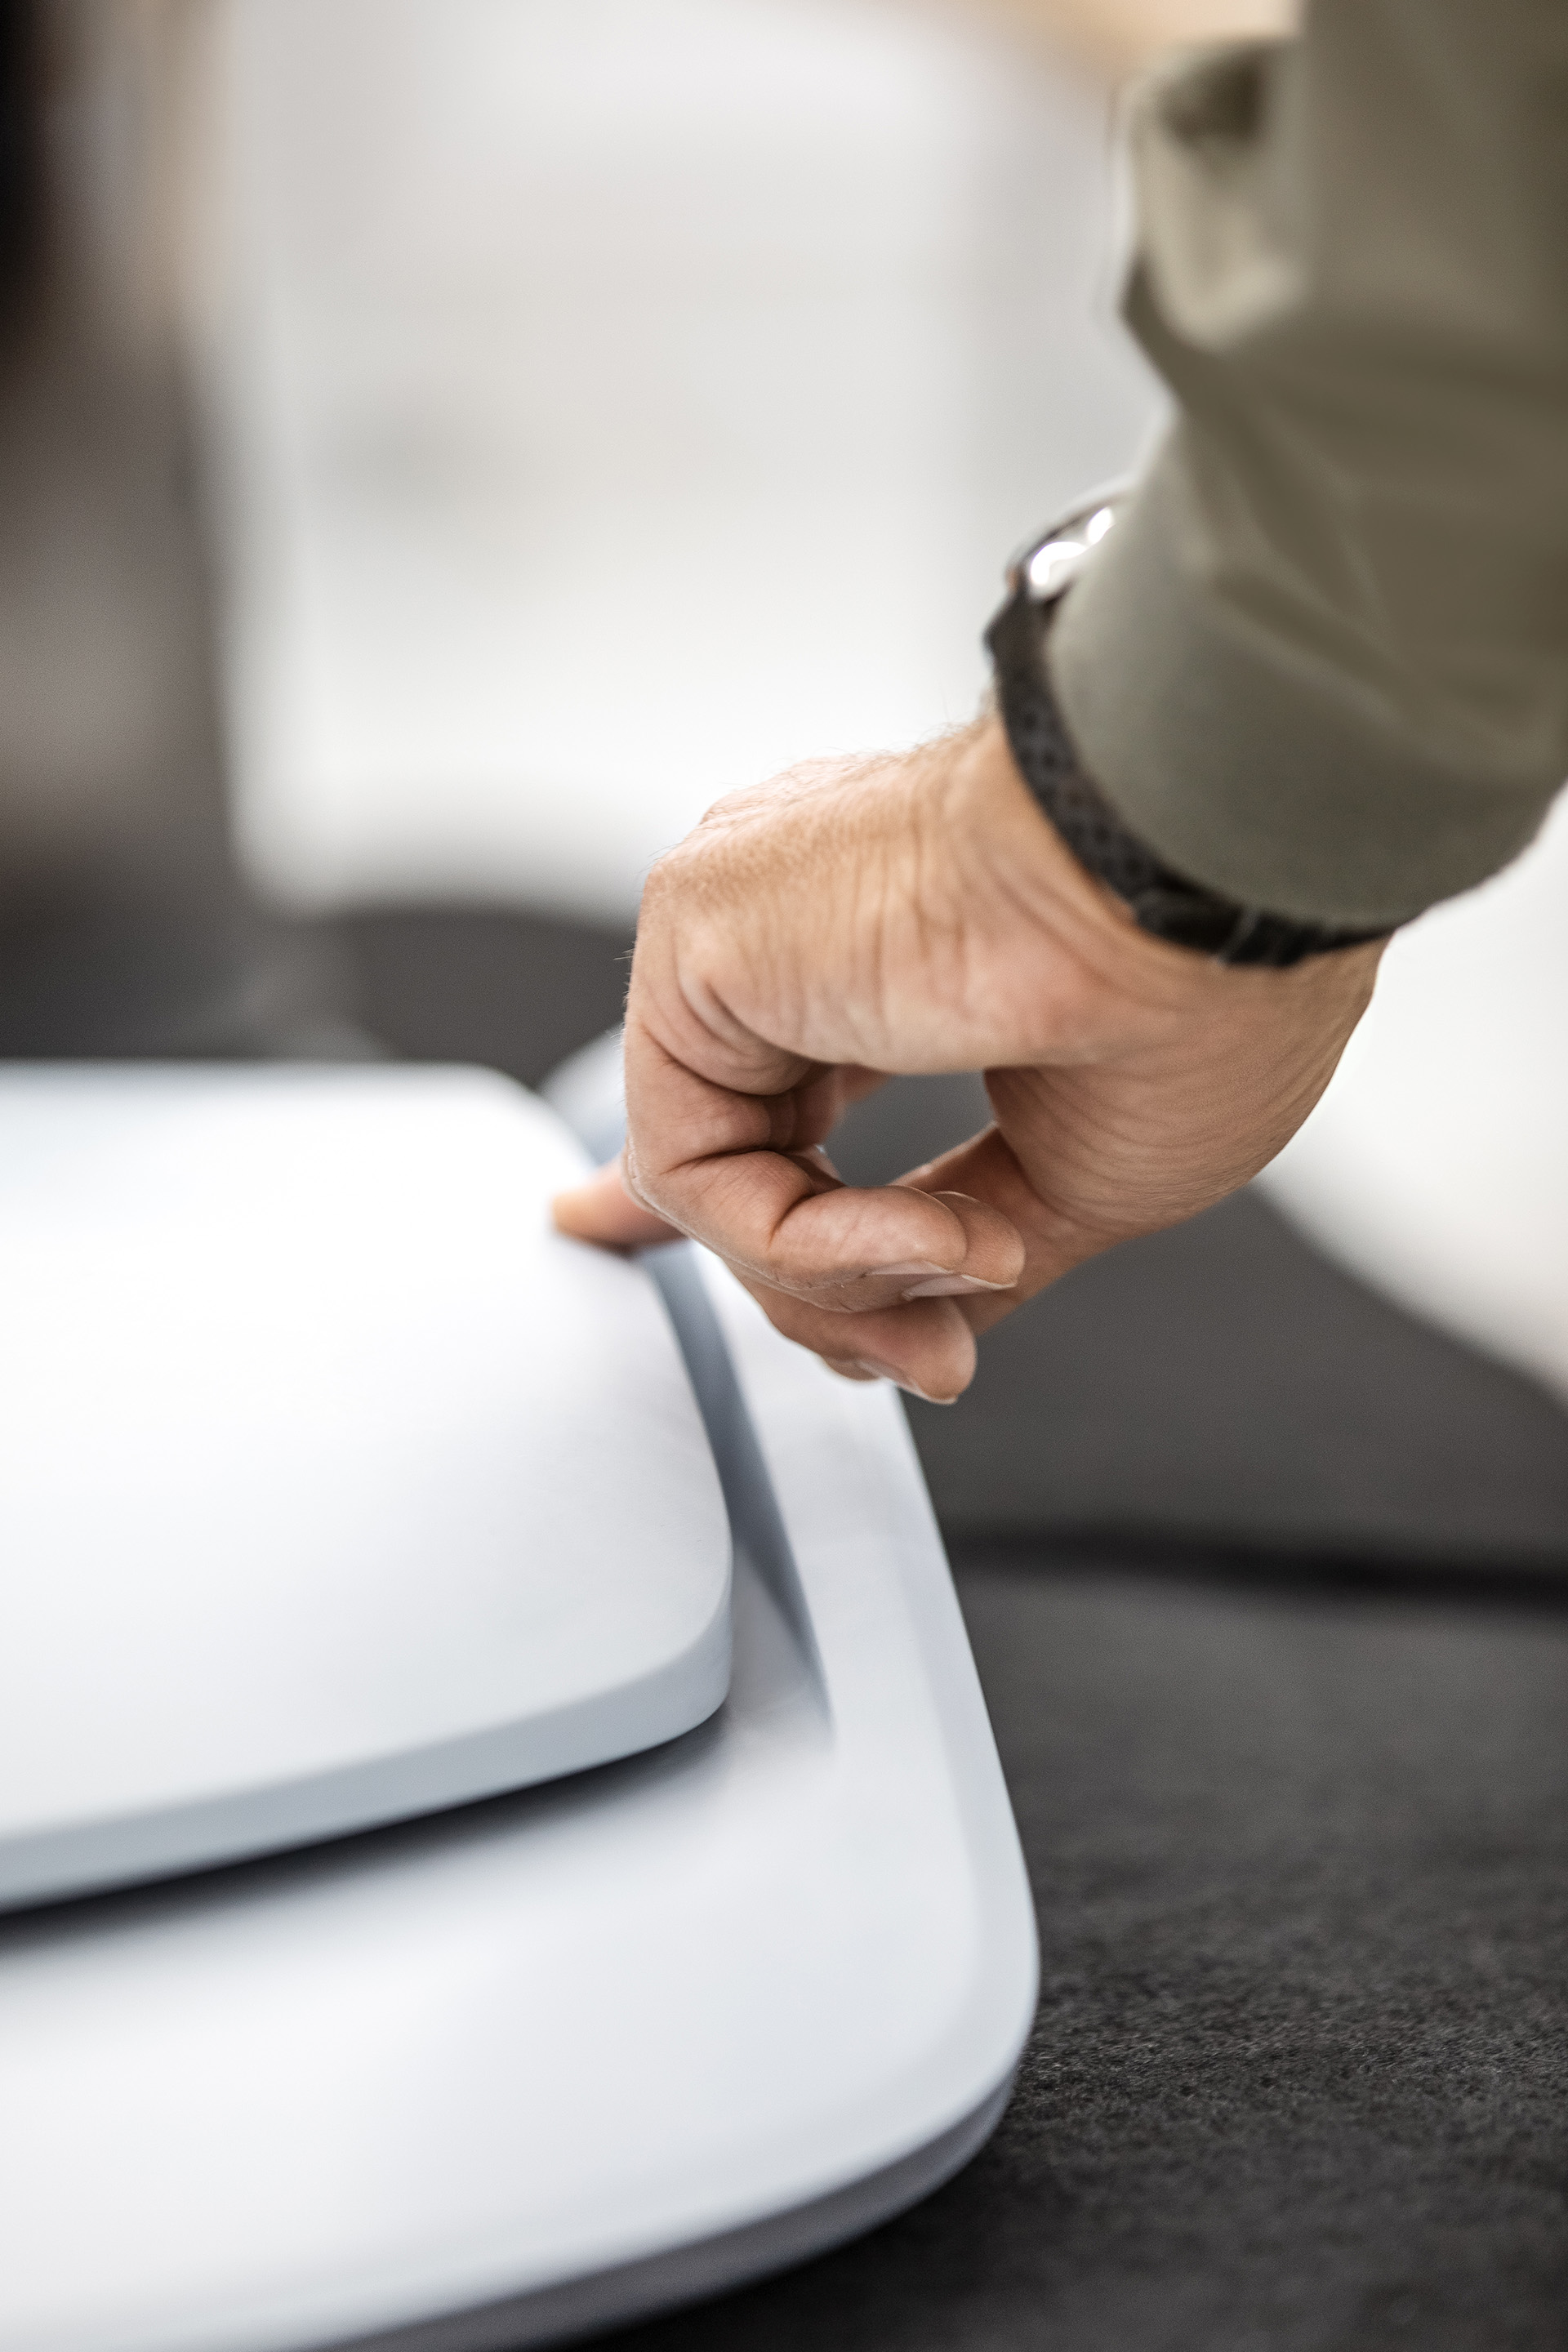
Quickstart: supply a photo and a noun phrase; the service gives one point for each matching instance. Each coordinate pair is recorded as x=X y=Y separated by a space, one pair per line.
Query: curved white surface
x=579 y=2050
x=338 y=1488
x=1437 y=1164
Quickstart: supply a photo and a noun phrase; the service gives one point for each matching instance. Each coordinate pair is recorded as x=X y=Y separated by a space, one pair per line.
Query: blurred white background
x=614 y=400
x=618 y=399
x=1437 y=1164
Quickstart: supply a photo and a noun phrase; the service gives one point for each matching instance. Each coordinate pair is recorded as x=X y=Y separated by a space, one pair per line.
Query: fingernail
x=914 y=1269
x=846 y=1369
x=954 y=1285
x=901 y=1381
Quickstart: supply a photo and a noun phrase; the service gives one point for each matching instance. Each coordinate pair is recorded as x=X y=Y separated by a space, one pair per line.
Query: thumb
x=603 y=1211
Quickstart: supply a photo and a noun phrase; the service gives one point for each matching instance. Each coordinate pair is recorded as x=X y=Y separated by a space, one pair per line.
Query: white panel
x=587 y=2049
x=1437 y=1164
x=337 y=1486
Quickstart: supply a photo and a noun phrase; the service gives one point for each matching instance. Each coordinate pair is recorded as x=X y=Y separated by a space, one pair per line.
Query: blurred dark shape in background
x=123 y=930
x=21 y=164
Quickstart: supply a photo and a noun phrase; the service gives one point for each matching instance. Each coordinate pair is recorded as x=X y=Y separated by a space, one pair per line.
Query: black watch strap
x=1163 y=901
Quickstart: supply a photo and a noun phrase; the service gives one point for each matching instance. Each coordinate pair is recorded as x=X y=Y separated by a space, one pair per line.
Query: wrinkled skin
x=918 y=913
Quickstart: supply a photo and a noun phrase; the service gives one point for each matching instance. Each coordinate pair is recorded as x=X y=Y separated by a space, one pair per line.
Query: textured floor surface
x=1266 y=1586
x=1300 y=2076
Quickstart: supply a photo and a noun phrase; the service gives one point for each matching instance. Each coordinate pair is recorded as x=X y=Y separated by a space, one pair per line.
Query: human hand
x=916 y=912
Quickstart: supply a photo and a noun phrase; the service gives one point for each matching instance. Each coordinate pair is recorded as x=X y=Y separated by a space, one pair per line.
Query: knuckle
x=644 y=1189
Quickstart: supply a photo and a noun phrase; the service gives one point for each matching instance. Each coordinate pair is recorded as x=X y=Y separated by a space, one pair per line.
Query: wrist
x=1020 y=866
x=1168 y=904
x=1026 y=882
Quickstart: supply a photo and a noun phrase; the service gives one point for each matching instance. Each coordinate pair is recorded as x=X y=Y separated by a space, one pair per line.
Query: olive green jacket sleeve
x=1322 y=663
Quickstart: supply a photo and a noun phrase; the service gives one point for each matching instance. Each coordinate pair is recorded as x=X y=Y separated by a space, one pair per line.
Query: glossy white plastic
x=510 y=2074
x=338 y=1488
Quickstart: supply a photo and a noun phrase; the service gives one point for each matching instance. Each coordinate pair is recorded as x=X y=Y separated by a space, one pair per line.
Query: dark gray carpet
x=1299 y=1837
x=1299 y=2077
x=1223 y=1387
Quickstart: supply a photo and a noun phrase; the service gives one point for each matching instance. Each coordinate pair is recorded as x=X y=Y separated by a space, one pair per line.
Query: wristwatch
x=1163 y=901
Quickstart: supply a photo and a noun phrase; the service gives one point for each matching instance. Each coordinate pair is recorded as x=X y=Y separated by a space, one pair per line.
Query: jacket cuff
x=1246 y=763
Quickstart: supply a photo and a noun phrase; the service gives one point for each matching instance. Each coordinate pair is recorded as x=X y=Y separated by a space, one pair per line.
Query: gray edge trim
x=711 y=2266
x=182 y=1841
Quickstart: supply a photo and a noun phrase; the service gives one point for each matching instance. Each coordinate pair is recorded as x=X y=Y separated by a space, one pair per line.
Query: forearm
x=1322 y=665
